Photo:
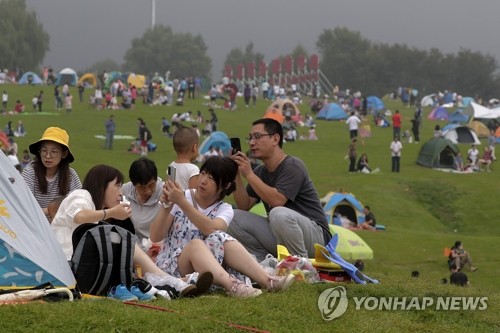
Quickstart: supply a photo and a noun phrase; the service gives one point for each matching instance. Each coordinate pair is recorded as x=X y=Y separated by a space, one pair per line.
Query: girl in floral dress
x=193 y=226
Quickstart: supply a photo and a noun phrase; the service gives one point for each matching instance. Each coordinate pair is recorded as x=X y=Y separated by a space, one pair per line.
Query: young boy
x=185 y=142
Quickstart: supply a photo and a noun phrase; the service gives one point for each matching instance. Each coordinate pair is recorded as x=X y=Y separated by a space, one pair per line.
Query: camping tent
x=89 y=79
x=29 y=252
x=331 y=111
x=428 y=100
x=30 y=78
x=480 y=128
x=458 y=117
x=438 y=153
x=351 y=246
x=218 y=139
x=460 y=134
x=439 y=113
x=112 y=77
x=344 y=204
x=374 y=103
x=136 y=80
x=281 y=109
x=66 y=76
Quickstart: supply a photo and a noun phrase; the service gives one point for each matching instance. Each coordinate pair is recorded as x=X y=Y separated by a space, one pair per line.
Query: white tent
x=29 y=252
x=482 y=112
x=461 y=134
x=428 y=100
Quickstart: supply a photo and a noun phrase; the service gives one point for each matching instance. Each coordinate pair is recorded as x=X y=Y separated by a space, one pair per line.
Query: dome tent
x=66 y=76
x=438 y=153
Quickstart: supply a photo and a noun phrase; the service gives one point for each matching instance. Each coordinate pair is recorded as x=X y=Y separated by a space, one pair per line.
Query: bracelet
x=104 y=217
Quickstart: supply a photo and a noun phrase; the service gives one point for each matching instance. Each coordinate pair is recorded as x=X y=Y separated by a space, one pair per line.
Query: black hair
x=271 y=126
x=223 y=170
x=96 y=181
x=142 y=171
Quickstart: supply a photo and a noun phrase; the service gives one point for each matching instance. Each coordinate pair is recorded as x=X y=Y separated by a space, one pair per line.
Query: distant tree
x=107 y=65
x=23 y=41
x=353 y=62
x=344 y=57
x=160 y=49
x=238 y=56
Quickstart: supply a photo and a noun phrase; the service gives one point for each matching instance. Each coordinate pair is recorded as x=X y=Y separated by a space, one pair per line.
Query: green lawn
x=424 y=210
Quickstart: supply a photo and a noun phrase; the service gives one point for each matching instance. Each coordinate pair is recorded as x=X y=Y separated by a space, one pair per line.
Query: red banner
x=250 y=70
x=228 y=71
x=239 y=71
x=287 y=64
x=300 y=63
x=262 y=69
x=314 y=62
x=276 y=64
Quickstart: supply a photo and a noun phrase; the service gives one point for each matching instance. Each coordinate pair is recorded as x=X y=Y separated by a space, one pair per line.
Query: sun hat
x=54 y=134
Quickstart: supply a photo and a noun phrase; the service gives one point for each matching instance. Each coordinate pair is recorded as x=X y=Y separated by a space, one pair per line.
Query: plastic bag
x=300 y=267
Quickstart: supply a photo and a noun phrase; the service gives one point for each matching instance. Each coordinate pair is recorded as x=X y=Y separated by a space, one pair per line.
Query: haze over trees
x=353 y=62
x=160 y=49
x=23 y=42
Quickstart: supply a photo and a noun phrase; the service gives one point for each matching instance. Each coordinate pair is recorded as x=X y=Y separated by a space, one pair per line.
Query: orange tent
x=280 y=108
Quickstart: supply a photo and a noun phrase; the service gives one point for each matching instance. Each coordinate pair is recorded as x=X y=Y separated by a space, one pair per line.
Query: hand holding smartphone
x=171 y=173
x=235 y=145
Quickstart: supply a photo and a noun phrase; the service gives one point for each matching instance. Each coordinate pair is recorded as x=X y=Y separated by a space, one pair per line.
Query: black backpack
x=102 y=257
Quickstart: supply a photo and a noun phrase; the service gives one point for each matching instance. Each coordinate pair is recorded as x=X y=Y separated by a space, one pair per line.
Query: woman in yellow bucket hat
x=49 y=176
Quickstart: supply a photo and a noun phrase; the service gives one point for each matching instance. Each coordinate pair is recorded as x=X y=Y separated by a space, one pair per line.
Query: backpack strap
x=128 y=241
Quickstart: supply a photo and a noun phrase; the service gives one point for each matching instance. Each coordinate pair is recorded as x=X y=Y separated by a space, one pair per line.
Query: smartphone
x=235 y=144
x=171 y=173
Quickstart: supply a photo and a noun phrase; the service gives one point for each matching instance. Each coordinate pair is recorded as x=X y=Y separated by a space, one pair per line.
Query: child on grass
x=185 y=141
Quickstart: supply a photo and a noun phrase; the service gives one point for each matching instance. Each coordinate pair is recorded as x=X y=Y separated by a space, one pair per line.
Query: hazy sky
x=83 y=32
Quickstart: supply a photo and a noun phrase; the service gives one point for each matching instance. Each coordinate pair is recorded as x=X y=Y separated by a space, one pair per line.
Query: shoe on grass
x=277 y=283
x=121 y=293
x=240 y=289
x=134 y=290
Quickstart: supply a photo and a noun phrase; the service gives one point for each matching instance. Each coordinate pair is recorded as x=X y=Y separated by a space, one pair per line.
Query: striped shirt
x=52 y=186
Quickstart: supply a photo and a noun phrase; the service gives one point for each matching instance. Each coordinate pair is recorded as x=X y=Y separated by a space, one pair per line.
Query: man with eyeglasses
x=295 y=216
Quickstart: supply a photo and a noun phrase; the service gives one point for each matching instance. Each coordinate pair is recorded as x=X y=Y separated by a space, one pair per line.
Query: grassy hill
x=424 y=210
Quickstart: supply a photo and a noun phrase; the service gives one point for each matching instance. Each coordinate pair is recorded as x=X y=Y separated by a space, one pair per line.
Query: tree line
x=347 y=59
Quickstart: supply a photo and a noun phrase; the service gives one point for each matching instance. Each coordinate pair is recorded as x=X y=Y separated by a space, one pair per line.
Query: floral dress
x=182 y=231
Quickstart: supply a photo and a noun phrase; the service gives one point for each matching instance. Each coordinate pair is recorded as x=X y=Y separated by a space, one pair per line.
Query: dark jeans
x=352 y=163
x=395 y=163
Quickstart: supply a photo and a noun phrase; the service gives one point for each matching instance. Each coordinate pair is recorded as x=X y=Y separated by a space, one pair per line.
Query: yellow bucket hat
x=54 y=134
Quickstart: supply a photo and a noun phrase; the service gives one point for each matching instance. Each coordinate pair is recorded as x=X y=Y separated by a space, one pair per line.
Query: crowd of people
x=183 y=225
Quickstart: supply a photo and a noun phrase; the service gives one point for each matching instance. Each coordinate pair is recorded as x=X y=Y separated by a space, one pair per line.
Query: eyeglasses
x=50 y=152
x=257 y=136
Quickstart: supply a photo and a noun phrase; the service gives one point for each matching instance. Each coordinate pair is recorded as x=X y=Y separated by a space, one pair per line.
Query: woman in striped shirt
x=49 y=176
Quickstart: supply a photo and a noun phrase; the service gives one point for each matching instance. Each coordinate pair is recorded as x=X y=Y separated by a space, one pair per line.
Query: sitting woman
x=363 y=164
x=98 y=200
x=485 y=162
x=459 y=257
x=193 y=226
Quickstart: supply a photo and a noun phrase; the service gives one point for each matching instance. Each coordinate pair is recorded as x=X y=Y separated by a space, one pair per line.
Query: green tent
x=438 y=153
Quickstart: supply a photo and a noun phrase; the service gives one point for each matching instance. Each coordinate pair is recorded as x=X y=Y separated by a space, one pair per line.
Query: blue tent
x=218 y=139
x=331 y=111
x=467 y=100
x=344 y=204
x=439 y=113
x=374 y=103
x=458 y=117
x=25 y=79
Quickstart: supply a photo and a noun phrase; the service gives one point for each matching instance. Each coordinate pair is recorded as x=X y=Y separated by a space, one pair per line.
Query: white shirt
x=353 y=122
x=396 y=147
x=63 y=223
x=184 y=172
